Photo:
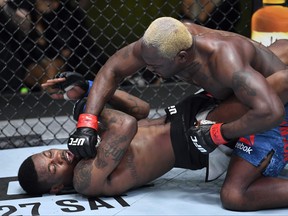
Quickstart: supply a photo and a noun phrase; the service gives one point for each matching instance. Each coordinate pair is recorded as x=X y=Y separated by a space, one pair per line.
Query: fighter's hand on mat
x=206 y=135
x=67 y=85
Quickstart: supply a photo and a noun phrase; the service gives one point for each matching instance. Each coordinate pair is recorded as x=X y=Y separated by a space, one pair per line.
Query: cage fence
x=40 y=38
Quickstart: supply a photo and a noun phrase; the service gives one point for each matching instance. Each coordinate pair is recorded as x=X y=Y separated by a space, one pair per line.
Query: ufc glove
x=206 y=135
x=73 y=79
x=82 y=143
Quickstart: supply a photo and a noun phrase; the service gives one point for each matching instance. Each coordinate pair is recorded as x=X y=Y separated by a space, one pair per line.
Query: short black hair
x=28 y=178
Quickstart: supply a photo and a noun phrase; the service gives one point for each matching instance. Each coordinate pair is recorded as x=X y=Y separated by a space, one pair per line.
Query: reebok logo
x=172 y=110
x=197 y=145
x=244 y=148
x=248 y=141
x=76 y=141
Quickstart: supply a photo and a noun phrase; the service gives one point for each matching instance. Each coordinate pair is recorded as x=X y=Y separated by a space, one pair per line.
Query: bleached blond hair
x=168 y=35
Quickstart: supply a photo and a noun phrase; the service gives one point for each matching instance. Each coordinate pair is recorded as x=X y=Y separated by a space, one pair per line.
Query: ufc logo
x=195 y=142
x=76 y=141
x=172 y=110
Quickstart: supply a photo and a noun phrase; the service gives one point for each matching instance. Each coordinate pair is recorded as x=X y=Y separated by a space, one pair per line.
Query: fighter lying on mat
x=132 y=154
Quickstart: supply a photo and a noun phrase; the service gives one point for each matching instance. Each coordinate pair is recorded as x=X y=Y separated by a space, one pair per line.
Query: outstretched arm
x=78 y=87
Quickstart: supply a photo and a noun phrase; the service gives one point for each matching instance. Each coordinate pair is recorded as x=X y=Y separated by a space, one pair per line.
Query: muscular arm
x=120 y=100
x=265 y=109
x=92 y=177
x=123 y=63
x=237 y=109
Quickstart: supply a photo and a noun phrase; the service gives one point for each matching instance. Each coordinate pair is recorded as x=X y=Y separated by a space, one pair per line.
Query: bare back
x=218 y=56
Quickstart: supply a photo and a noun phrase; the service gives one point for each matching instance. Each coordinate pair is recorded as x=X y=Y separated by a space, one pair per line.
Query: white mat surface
x=179 y=192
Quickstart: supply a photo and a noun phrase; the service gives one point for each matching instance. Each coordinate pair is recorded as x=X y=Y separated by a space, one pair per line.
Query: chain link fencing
x=39 y=38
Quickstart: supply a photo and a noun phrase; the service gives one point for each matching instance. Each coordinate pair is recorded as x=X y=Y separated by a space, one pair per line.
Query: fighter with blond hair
x=223 y=64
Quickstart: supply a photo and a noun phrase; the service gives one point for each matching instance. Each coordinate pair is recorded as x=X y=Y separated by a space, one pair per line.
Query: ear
x=182 y=57
x=56 y=188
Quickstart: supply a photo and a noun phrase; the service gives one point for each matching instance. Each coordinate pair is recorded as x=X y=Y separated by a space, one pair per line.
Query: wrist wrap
x=216 y=135
x=87 y=120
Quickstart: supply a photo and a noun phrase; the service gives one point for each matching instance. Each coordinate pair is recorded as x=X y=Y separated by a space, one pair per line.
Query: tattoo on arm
x=111 y=144
x=131 y=165
x=126 y=52
x=82 y=175
x=134 y=106
x=110 y=149
x=240 y=82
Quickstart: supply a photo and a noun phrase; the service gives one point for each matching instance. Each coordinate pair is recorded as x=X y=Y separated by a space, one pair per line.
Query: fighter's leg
x=246 y=189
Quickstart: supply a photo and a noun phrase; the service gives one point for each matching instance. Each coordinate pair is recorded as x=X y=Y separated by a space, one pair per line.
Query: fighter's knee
x=231 y=199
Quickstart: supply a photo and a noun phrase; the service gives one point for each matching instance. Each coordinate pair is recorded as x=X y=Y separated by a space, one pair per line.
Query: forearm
x=102 y=90
x=250 y=123
x=123 y=63
x=126 y=103
x=263 y=114
x=129 y=104
x=237 y=109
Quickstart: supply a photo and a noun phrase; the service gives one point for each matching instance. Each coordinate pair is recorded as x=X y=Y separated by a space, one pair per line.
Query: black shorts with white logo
x=182 y=116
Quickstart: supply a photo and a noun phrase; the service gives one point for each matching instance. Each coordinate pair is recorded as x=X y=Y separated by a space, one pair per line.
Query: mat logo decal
x=20 y=202
x=64 y=205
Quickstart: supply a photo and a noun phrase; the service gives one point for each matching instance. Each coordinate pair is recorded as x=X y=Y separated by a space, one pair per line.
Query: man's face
x=161 y=66
x=55 y=166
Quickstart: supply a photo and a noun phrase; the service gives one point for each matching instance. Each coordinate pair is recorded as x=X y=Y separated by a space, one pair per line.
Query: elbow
x=282 y=116
x=130 y=125
x=144 y=113
x=278 y=115
x=146 y=110
x=274 y=115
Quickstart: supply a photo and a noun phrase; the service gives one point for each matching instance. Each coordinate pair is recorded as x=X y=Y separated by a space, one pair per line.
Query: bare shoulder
x=233 y=44
x=128 y=59
x=137 y=49
x=194 y=28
